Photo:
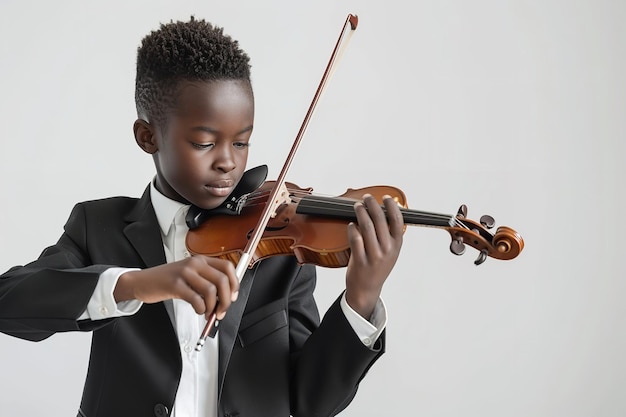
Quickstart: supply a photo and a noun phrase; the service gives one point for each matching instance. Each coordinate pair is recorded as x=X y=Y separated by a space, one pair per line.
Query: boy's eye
x=241 y=145
x=202 y=145
x=205 y=146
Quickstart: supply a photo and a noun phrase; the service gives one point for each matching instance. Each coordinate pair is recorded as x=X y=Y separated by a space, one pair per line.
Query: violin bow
x=279 y=193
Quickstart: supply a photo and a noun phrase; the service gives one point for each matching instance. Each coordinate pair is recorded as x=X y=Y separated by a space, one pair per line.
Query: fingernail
x=234 y=297
x=221 y=315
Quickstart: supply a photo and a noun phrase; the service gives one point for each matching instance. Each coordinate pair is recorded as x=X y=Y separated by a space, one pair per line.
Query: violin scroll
x=505 y=244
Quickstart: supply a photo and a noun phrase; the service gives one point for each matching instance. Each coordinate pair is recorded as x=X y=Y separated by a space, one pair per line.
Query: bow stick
x=279 y=193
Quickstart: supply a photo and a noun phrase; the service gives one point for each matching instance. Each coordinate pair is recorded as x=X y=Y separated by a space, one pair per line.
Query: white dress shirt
x=197 y=390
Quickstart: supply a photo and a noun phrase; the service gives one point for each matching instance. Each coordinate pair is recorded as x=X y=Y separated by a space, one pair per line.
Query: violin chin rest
x=250 y=181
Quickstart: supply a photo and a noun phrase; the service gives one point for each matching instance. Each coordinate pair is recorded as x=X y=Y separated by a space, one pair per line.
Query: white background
x=515 y=108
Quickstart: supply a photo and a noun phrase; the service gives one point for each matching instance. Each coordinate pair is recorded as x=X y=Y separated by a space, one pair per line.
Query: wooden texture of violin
x=314 y=228
x=319 y=238
x=505 y=244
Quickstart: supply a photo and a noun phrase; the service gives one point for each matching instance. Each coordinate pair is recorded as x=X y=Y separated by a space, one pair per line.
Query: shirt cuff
x=102 y=303
x=367 y=331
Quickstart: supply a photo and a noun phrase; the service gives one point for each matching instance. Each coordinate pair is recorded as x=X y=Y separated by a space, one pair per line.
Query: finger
x=356 y=243
x=186 y=290
x=366 y=213
x=364 y=242
x=379 y=219
x=394 y=217
x=228 y=269
x=191 y=284
x=221 y=274
x=208 y=293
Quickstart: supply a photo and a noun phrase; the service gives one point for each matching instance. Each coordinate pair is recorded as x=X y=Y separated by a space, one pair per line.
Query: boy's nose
x=224 y=160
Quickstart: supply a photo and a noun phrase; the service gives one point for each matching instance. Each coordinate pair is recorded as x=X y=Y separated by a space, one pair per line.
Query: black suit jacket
x=279 y=360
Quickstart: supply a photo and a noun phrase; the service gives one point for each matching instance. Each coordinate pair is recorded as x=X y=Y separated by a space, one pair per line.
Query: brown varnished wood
x=322 y=239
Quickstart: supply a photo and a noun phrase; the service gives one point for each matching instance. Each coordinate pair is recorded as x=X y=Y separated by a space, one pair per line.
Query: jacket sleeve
x=49 y=294
x=331 y=362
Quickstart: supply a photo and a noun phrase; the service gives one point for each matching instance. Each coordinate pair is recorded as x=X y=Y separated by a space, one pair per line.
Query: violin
x=262 y=219
x=313 y=228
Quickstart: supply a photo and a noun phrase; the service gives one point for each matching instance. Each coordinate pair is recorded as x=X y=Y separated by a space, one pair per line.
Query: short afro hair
x=183 y=51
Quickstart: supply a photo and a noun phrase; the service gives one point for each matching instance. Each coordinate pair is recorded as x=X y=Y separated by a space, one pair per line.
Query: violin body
x=313 y=239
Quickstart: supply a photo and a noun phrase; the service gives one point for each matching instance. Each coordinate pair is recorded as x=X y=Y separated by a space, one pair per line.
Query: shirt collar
x=164 y=208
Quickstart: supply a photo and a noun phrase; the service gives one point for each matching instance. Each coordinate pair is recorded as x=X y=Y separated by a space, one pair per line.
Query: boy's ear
x=145 y=136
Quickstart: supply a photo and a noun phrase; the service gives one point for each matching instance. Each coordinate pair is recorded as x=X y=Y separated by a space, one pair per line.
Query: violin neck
x=342 y=208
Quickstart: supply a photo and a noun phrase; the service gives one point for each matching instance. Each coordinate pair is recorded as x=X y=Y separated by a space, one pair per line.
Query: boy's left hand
x=375 y=245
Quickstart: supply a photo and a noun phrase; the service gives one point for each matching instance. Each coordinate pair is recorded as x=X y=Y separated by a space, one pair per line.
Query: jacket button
x=161 y=411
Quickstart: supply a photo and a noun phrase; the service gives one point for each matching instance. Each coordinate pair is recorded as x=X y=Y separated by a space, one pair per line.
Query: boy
x=120 y=269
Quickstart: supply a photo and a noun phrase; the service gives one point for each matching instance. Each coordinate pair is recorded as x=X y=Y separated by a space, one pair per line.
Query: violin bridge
x=282 y=197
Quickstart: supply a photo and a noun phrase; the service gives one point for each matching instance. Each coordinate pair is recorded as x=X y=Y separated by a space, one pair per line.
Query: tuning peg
x=462 y=212
x=482 y=257
x=457 y=246
x=487 y=221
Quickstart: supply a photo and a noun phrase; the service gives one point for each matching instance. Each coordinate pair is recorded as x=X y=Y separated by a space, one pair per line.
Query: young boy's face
x=203 y=149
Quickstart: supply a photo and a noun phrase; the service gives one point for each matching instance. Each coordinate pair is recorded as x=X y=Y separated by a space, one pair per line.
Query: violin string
x=260 y=196
x=346 y=206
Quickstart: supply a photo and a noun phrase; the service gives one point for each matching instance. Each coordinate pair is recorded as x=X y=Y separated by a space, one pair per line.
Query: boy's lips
x=220 y=188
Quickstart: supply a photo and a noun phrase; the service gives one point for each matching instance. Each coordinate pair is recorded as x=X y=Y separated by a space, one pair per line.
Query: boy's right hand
x=202 y=281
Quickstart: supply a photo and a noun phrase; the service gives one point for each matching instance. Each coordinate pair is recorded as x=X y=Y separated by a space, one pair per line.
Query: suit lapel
x=143 y=232
x=229 y=327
